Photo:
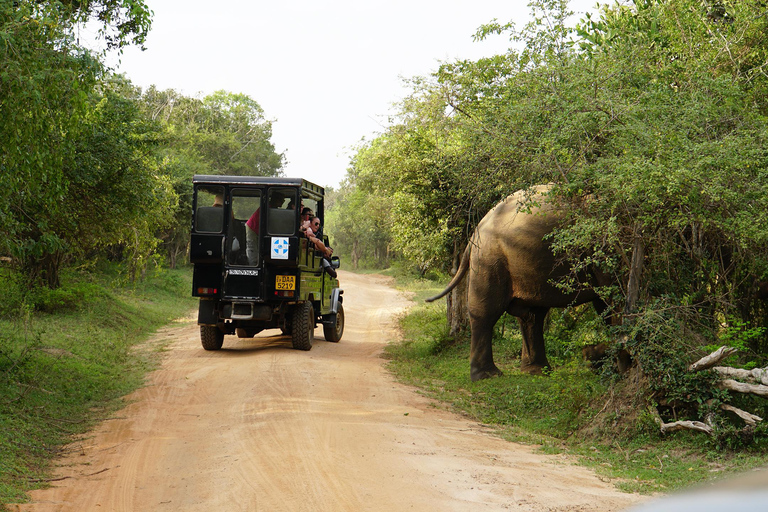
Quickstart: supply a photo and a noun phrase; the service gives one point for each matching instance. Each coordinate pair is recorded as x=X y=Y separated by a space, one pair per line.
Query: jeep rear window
x=209 y=215
x=282 y=217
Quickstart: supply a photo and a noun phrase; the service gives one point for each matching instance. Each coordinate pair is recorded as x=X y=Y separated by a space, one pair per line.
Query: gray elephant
x=511 y=268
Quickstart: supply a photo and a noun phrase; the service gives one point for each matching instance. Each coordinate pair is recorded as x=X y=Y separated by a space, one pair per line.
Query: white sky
x=326 y=72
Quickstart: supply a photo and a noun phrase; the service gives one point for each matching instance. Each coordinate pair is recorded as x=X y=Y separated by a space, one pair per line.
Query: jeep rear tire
x=303 y=326
x=334 y=331
x=211 y=337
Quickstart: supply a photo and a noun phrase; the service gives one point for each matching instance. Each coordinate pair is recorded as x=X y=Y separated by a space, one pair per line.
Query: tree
x=680 y=167
x=45 y=82
x=224 y=133
x=360 y=225
x=115 y=183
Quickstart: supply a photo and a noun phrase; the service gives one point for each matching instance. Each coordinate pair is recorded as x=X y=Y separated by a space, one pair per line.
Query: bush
x=68 y=297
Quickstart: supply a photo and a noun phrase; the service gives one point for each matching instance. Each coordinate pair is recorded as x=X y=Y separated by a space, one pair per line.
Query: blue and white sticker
x=279 y=248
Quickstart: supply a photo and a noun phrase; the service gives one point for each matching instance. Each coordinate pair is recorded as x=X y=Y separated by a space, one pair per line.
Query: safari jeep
x=253 y=267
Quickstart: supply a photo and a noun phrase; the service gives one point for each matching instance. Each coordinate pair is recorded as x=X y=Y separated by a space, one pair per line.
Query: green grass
x=66 y=359
x=601 y=421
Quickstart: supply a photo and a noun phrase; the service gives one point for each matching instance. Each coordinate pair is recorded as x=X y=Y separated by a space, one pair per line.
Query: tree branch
x=759 y=375
x=712 y=359
x=679 y=425
x=749 y=418
x=740 y=387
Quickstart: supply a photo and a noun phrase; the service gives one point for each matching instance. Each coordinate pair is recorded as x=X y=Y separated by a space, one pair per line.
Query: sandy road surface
x=258 y=426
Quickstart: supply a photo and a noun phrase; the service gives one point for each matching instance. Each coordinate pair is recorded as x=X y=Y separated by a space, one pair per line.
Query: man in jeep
x=315 y=234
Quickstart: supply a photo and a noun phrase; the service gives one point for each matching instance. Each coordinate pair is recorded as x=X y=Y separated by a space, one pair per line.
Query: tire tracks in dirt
x=258 y=426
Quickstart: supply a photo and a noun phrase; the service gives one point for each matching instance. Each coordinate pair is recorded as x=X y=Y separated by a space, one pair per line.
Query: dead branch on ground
x=759 y=375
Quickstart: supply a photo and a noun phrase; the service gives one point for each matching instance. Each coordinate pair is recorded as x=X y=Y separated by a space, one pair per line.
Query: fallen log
x=759 y=375
x=741 y=387
x=679 y=425
x=712 y=359
x=748 y=417
x=686 y=425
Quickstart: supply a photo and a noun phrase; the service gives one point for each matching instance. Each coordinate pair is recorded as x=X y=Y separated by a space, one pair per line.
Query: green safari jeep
x=253 y=267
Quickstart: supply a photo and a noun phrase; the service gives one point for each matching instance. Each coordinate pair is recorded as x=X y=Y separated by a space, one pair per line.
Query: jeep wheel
x=211 y=337
x=303 y=326
x=334 y=331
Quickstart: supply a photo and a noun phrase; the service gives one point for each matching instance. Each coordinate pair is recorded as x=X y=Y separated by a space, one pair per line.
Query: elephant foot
x=534 y=369
x=477 y=375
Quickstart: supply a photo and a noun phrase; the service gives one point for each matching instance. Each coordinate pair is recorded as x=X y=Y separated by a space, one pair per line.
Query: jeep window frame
x=236 y=222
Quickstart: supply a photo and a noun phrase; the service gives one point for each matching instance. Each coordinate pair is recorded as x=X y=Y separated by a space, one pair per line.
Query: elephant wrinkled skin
x=510 y=267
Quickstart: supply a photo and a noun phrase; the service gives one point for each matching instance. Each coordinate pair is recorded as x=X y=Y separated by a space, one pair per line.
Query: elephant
x=510 y=267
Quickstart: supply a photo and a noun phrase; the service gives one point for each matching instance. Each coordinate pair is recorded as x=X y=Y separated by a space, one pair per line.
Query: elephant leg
x=534 y=356
x=481 y=349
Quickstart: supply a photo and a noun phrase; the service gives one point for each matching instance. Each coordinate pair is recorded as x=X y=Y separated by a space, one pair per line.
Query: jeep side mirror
x=335 y=262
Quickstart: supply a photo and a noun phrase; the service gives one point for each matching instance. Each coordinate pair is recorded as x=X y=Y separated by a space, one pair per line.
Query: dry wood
x=679 y=425
x=749 y=418
x=740 y=387
x=757 y=375
x=712 y=359
x=686 y=425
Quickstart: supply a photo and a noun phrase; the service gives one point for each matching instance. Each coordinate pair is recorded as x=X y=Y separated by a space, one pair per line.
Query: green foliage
x=44 y=80
x=360 y=226
x=737 y=334
x=59 y=133
x=223 y=133
x=63 y=370
x=603 y=421
x=90 y=167
x=65 y=298
x=570 y=330
x=651 y=120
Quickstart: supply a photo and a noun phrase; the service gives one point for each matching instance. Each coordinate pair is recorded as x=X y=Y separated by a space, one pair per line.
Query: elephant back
x=525 y=216
x=511 y=244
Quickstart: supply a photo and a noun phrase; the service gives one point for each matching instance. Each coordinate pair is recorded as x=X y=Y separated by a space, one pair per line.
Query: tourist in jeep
x=306 y=220
x=315 y=233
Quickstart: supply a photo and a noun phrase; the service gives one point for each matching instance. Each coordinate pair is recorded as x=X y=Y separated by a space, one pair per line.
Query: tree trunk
x=355 y=255
x=172 y=255
x=457 y=314
x=635 y=271
x=45 y=269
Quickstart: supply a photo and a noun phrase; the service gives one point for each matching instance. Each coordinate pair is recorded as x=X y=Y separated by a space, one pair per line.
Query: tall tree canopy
x=46 y=80
x=650 y=118
x=91 y=164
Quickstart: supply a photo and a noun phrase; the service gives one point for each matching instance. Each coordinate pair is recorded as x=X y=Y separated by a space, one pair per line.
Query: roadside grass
x=68 y=356
x=597 y=419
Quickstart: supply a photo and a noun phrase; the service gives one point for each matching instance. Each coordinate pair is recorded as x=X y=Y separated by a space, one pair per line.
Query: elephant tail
x=460 y=273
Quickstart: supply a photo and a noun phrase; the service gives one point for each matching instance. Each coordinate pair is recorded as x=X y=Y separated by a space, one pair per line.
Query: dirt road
x=258 y=426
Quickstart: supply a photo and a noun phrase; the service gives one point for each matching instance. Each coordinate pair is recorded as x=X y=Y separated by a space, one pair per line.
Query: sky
x=327 y=73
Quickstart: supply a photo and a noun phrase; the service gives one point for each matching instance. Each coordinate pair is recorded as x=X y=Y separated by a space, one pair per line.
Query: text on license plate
x=285 y=282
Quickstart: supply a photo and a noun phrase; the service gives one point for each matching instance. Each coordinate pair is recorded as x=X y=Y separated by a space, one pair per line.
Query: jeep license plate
x=285 y=282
